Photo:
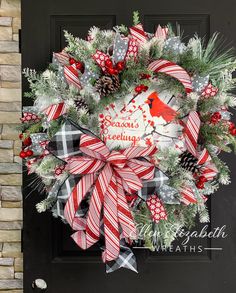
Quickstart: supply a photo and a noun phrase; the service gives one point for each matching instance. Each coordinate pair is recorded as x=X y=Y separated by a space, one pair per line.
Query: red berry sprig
x=232 y=129
x=215 y=118
x=141 y=88
x=201 y=182
x=114 y=70
x=145 y=76
x=27 y=141
x=79 y=65
x=24 y=154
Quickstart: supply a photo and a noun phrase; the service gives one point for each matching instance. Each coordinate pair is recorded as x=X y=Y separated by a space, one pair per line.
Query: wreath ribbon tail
x=111 y=224
x=74 y=201
x=124 y=215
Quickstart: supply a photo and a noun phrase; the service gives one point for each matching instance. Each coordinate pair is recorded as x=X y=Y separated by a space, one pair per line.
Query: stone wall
x=10 y=168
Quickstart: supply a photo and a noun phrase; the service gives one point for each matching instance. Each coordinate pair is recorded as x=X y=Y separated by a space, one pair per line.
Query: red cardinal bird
x=159 y=108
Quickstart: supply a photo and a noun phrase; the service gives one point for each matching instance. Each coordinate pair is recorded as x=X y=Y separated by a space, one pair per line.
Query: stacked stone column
x=10 y=164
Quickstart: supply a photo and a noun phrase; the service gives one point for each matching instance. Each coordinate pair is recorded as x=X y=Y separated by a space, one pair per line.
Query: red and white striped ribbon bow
x=108 y=175
x=54 y=111
x=207 y=168
x=138 y=33
x=174 y=70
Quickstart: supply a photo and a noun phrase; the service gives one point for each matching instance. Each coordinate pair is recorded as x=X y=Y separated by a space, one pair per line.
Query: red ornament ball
x=200 y=185
x=79 y=66
x=72 y=61
x=120 y=65
x=22 y=155
x=138 y=89
x=27 y=141
x=20 y=135
x=231 y=126
x=108 y=63
x=29 y=153
x=112 y=71
x=217 y=115
x=233 y=131
x=202 y=179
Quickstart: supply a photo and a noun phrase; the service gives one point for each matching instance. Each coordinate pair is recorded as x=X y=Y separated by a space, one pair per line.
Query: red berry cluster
x=114 y=70
x=145 y=76
x=201 y=182
x=232 y=129
x=79 y=65
x=215 y=118
x=141 y=88
x=26 y=143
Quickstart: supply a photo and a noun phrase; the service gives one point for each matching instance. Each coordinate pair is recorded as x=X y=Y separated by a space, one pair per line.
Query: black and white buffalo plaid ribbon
x=65 y=143
x=126 y=260
x=159 y=186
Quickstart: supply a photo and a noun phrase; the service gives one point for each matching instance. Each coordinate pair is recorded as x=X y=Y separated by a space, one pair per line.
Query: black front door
x=49 y=252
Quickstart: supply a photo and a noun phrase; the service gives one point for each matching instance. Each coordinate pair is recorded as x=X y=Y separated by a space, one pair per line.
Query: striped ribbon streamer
x=207 y=168
x=191 y=132
x=173 y=70
x=62 y=57
x=161 y=33
x=72 y=75
x=108 y=176
x=138 y=33
x=187 y=195
x=54 y=111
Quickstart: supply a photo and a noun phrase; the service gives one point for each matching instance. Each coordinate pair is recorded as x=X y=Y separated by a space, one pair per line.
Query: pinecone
x=188 y=162
x=81 y=104
x=107 y=84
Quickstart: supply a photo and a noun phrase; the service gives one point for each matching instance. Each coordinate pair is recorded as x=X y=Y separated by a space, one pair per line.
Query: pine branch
x=136 y=19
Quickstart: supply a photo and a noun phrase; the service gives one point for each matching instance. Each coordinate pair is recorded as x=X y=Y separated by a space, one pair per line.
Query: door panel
x=49 y=252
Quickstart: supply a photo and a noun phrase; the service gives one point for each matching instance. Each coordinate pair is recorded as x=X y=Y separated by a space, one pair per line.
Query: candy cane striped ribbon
x=174 y=70
x=208 y=169
x=54 y=111
x=161 y=33
x=192 y=131
x=72 y=75
x=62 y=57
x=187 y=195
x=112 y=174
x=138 y=33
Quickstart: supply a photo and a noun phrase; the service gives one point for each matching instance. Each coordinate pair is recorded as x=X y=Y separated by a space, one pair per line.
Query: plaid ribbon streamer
x=65 y=142
x=152 y=186
x=173 y=70
x=126 y=259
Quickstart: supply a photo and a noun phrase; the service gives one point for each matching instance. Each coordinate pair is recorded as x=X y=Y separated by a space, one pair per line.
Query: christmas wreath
x=125 y=131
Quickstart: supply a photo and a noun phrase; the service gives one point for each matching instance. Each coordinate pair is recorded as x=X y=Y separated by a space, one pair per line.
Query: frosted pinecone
x=80 y=104
x=188 y=162
x=107 y=84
